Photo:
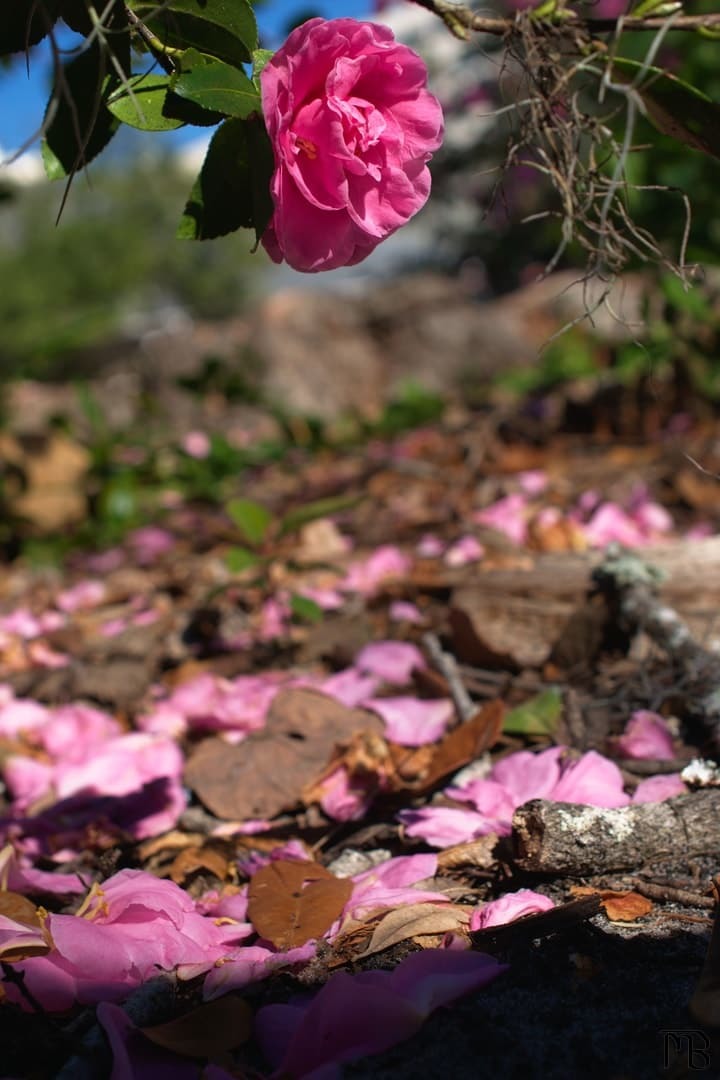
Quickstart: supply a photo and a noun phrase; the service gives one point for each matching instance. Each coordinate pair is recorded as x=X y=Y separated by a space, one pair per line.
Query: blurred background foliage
x=111 y=265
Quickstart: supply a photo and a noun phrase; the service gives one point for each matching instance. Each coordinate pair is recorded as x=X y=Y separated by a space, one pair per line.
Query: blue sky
x=23 y=97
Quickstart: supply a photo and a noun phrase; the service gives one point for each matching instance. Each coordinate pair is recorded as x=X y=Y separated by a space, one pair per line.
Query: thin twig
x=447 y=665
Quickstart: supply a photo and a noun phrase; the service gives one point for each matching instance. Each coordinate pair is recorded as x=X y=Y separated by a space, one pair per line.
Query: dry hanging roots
x=573 y=121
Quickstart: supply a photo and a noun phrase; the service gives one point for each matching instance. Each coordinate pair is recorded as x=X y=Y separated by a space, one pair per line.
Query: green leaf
x=538 y=716
x=250 y=518
x=140 y=103
x=233 y=188
x=221 y=87
x=676 y=108
x=225 y=29
x=302 y=607
x=239 y=559
x=321 y=508
x=81 y=126
x=26 y=22
x=260 y=58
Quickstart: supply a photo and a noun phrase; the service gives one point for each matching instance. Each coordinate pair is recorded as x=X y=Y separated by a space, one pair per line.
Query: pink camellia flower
x=352 y=127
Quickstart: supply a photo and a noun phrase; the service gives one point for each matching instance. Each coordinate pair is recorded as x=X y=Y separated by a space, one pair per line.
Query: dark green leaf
x=225 y=29
x=81 y=126
x=538 y=716
x=140 y=103
x=676 y=108
x=250 y=518
x=26 y=22
x=260 y=58
x=221 y=87
x=302 y=607
x=187 y=112
x=239 y=559
x=321 y=508
x=233 y=188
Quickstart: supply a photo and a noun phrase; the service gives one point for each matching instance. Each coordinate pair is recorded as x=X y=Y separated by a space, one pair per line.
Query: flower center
x=306 y=146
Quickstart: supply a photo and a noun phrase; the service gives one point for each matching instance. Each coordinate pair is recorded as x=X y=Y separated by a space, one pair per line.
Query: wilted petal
x=392 y=661
x=444 y=826
x=646 y=736
x=410 y=721
x=659 y=788
x=509 y=907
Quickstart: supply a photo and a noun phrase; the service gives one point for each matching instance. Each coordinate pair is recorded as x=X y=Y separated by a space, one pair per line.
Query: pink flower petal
x=659 y=788
x=392 y=661
x=410 y=721
x=444 y=826
x=356 y=1015
x=646 y=736
x=509 y=907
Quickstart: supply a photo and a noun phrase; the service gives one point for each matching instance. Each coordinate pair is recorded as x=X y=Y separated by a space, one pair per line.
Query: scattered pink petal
x=274 y=619
x=430 y=547
x=488 y=797
x=18 y=715
x=365 y=576
x=646 y=736
x=43 y=655
x=137 y=1058
x=83 y=596
x=196 y=444
x=533 y=481
x=526 y=775
x=150 y=543
x=611 y=524
x=444 y=826
x=243 y=966
x=509 y=907
x=356 y=1015
x=659 y=788
x=507 y=516
x=388 y=885
x=392 y=661
x=344 y=798
x=326 y=599
x=593 y=780
x=466 y=550
x=18 y=876
x=350 y=686
x=403 y=611
x=410 y=721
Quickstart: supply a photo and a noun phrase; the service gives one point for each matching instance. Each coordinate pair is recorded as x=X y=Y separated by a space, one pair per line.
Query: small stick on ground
x=630 y=587
x=448 y=667
x=560 y=838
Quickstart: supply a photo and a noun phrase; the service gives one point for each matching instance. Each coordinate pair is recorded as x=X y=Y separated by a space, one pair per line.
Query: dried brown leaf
x=464 y=743
x=618 y=906
x=267 y=772
x=21 y=910
x=412 y=921
x=209 y=1030
x=193 y=859
x=290 y=903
